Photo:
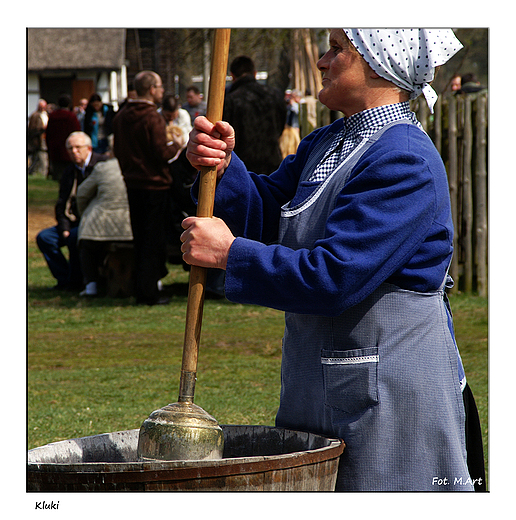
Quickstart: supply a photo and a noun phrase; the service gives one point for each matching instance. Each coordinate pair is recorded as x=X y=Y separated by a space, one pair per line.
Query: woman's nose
x=321 y=64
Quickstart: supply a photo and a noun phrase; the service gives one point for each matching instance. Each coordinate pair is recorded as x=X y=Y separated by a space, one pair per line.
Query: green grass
x=470 y=317
x=104 y=365
x=42 y=192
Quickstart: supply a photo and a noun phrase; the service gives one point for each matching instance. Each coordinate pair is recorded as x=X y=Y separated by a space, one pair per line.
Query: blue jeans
x=66 y=272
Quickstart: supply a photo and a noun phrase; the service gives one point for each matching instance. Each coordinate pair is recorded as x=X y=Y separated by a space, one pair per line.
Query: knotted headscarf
x=406 y=57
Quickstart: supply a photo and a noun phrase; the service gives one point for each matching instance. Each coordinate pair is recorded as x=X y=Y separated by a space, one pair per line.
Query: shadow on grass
x=48 y=295
x=37 y=295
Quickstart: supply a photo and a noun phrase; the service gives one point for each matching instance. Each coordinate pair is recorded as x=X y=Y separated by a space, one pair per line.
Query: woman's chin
x=322 y=97
x=325 y=99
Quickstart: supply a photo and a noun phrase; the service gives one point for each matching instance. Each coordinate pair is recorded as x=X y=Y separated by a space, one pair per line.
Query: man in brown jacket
x=144 y=154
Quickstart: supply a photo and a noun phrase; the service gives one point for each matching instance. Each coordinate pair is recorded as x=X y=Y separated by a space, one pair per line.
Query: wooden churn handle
x=207 y=185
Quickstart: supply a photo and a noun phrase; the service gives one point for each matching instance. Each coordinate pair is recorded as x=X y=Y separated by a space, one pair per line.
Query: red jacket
x=61 y=123
x=141 y=146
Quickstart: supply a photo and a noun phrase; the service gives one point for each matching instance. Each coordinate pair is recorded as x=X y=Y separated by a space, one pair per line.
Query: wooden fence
x=458 y=129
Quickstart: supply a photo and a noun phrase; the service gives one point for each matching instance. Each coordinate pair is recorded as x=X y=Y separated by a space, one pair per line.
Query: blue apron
x=383 y=376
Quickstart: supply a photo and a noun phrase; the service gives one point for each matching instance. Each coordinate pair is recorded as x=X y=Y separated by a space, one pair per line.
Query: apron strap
x=448 y=284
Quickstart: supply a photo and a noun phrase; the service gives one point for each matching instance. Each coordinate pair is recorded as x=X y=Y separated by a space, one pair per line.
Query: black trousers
x=148 y=210
x=91 y=255
x=474 y=446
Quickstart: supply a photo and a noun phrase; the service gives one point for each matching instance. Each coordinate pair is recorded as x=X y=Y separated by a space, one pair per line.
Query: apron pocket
x=350 y=378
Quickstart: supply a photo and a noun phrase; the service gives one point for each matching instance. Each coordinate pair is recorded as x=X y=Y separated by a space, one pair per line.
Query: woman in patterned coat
x=102 y=203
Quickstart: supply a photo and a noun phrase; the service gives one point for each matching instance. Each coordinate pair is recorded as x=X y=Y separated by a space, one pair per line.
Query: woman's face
x=170 y=116
x=345 y=75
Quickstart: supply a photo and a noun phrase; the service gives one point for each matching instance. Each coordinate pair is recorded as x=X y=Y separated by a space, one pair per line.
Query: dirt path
x=38 y=219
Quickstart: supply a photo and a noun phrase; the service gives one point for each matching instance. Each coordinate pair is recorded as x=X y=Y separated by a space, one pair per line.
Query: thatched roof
x=64 y=49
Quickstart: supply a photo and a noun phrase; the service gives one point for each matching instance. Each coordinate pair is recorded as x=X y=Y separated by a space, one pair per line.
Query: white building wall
x=112 y=86
x=32 y=92
x=103 y=87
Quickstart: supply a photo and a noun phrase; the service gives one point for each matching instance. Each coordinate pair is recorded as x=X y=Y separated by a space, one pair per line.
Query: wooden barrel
x=256 y=458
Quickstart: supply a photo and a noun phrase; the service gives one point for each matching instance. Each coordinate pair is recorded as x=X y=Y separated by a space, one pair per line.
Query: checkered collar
x=369 y=121
x=356 y=128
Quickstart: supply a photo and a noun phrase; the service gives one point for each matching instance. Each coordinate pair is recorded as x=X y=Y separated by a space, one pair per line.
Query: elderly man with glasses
x=64 y=234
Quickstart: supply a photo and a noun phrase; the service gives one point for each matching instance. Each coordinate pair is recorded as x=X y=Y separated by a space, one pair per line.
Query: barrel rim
x=147 y=471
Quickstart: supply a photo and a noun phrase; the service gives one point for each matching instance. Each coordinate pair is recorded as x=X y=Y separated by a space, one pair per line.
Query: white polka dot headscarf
x=406 y=57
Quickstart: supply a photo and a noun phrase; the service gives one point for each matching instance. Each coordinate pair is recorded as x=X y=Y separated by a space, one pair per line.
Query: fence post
x=467 y=203
x=481 y=195
x=453 y=185
x=303 y=120
x=422 y=114
x=437 y=124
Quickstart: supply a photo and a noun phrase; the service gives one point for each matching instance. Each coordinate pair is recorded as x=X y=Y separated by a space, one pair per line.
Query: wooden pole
x=312 y=70
x=468 y=198
x=207 y=185
x=298 y=76
x=481 y=195
x=437 y=124
x=423 y=112
x=453 y=186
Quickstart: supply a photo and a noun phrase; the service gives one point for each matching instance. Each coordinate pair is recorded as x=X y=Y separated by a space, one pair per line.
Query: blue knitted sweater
x=391 y=223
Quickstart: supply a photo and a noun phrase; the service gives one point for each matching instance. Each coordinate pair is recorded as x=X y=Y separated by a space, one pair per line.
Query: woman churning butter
x=352 y=238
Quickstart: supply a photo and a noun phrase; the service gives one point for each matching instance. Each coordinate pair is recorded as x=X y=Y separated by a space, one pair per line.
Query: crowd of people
x=141 y=191
x=93 y=207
